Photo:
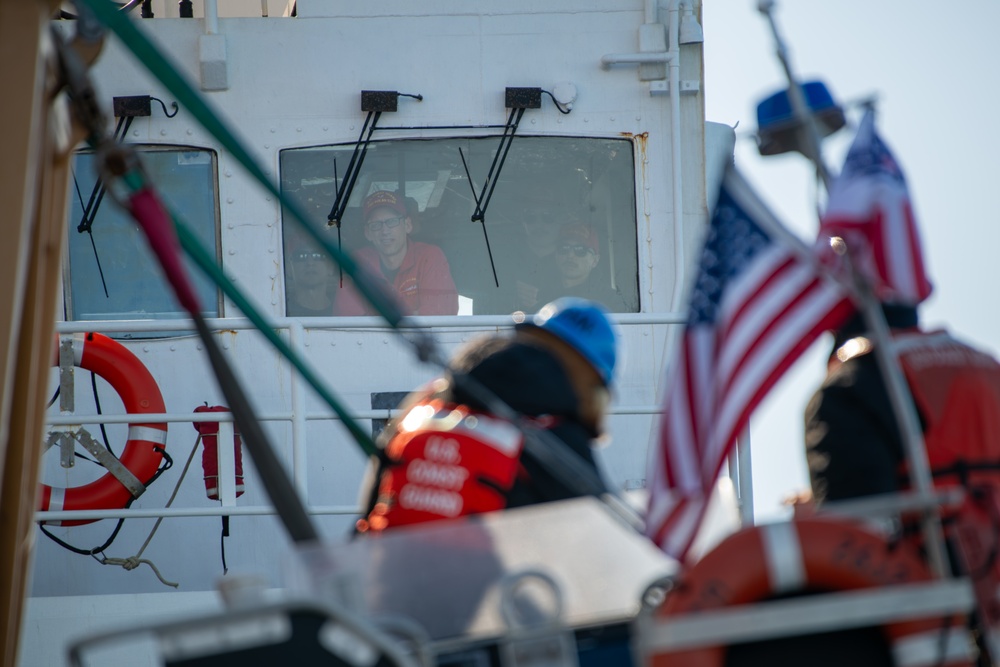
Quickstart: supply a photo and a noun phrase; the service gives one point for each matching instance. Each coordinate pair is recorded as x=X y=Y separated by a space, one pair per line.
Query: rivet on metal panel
x=229 y=200
x=267 y=145
x=359 y=342
x=325 y=128
x=273 y=130
x=612 y=119
x=230 y=225
x=586 y=120
x=232 y=252
x=228 y=173
x=145 y=348
x=135 y=133
x=163 y=133
x=173 y=348
x=298 y=129
x=190 y=131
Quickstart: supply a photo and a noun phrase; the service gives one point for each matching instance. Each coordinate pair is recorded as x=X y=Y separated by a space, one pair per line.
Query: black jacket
x=853 y=443
x=532 y=382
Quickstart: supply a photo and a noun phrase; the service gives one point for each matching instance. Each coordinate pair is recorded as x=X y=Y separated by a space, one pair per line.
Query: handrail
x=298 y=444
x=188 y=417
x=452 y=322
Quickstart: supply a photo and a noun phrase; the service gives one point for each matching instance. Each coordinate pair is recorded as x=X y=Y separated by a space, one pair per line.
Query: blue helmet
x=584 y=326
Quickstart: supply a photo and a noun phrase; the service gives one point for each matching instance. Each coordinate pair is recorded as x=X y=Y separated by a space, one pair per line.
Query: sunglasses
x=578 y=250
x=390 y=223
x=305 y=256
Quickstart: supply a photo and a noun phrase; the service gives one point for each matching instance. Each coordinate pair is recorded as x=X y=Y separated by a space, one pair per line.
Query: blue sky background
x=933 y=67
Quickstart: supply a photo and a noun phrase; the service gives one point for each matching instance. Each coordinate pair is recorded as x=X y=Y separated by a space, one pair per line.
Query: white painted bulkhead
x=296 y=82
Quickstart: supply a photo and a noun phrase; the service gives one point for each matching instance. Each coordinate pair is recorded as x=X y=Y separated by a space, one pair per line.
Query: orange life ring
x=817 y=555
x=142 y=456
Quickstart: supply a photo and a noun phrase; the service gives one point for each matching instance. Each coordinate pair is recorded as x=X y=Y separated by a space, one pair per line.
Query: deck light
x=690 y=29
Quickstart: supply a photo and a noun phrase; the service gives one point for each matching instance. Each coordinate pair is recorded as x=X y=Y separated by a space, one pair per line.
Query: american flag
x=757 y=304
x=869 y=207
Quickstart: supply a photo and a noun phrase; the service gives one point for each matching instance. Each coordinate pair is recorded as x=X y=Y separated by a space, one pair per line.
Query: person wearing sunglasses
x=417 y=273
x=577 y=255
x=310 y=276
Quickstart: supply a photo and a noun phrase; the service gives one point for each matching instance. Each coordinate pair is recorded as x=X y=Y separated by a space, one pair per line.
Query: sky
x=933 y=72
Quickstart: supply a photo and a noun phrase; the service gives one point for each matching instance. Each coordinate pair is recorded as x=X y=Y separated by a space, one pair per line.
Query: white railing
x=297 y=416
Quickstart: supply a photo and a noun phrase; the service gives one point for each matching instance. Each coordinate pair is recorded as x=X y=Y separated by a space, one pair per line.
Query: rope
x=133 y=562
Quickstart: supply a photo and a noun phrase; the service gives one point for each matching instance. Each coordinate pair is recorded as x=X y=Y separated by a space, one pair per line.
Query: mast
x=34 y=182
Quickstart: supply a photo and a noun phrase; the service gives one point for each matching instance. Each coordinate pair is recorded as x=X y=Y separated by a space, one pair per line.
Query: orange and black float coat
x=446 y=461
x=854 y=446
x=957 y=393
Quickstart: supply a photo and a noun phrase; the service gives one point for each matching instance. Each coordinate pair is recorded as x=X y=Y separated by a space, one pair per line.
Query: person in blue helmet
x=555 y=372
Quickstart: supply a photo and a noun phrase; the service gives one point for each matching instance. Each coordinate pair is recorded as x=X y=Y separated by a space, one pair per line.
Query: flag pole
x=807 y=131
x=888 y=362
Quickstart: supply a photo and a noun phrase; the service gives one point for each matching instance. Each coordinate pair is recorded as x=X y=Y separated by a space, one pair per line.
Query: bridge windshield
x=112 y=273
x=561 y=221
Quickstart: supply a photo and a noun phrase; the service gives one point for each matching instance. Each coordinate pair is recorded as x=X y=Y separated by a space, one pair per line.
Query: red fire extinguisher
x=210 y=456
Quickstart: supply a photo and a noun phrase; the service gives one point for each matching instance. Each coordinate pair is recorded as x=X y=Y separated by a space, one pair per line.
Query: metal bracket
x=375 y=102
x=536 y=636
x=67 y=440
x=67 y=374
x=686 y=87
x=67 y=447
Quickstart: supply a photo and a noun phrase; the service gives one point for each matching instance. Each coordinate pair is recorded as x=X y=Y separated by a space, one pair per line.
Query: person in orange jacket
x=449 y=455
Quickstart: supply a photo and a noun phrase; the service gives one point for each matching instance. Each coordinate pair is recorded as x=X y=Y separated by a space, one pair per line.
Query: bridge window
x=561 y=221
x=113 y=275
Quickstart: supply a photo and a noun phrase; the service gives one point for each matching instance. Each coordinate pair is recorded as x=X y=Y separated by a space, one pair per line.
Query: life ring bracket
x=103 y=456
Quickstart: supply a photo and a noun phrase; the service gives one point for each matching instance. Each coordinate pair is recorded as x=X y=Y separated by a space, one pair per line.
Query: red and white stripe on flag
x=869 y=207
x=757 y=304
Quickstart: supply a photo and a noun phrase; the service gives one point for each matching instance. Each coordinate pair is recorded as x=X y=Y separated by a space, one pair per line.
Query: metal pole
x=909 y=426
x=899 y=394
x=808 y=134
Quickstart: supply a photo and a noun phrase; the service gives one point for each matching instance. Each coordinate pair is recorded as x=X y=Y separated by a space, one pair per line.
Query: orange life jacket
x=446 y=461
x=957 y=392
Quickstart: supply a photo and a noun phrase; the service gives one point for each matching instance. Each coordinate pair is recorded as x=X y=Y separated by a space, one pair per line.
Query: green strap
x=207 y=264
x=135 y=180
x=159 y=66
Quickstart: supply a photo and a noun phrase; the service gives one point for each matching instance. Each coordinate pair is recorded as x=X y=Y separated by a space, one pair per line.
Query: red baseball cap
x=383 y=198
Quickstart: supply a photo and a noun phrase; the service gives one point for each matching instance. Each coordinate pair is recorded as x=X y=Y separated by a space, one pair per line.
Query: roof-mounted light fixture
x=690 y=29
